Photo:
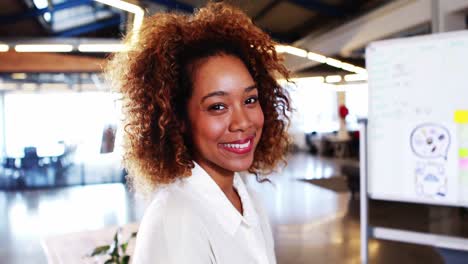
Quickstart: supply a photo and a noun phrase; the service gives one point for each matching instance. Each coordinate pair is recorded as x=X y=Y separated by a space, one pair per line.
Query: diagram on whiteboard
x=431 y=180
x=430 y=143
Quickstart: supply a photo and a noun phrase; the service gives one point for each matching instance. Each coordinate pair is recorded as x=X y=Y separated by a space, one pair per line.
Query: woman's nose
x=240 y=120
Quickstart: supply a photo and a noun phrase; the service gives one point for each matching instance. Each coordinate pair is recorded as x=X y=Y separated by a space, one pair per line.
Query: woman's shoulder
x=170 y=213
x=172 y=203
x=171 y=221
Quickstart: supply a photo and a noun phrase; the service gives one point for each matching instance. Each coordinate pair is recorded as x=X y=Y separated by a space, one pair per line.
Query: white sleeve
x=172 y=234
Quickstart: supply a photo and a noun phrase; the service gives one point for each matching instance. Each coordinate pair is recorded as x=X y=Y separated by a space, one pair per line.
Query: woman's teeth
x=238 y=146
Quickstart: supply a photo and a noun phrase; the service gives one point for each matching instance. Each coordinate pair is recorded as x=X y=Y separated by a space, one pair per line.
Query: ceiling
x=335 y=28
x=287 y=21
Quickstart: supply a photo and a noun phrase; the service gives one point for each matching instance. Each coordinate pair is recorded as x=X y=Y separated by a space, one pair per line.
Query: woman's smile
x=242 y=146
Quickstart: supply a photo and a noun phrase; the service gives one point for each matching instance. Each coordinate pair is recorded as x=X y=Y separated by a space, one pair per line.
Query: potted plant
x=116 y=251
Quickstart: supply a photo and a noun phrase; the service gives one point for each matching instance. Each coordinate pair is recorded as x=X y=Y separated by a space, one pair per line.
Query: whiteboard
x=417 y=123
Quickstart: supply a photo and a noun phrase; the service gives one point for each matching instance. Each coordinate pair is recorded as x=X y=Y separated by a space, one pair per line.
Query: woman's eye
x=251 y=100
x=217 y=107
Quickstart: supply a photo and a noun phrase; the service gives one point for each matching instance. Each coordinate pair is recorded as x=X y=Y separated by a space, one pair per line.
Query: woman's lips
x=239 y=146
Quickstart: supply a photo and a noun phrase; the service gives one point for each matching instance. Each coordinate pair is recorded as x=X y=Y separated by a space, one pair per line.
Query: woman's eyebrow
x=223 y=93
x=216 y=93
x=250 y=88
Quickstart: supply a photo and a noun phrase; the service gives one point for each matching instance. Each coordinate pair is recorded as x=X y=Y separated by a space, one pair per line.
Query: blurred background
x=61 y=177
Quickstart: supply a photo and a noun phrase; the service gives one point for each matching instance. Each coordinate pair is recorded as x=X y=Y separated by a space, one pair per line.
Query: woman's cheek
x=215 y=127
x=259 y=117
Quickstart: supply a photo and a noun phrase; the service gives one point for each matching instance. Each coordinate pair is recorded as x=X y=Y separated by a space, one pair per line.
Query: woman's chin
x=238 y=165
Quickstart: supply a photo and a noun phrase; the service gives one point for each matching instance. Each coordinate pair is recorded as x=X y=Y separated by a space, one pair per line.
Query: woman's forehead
x=221 y=73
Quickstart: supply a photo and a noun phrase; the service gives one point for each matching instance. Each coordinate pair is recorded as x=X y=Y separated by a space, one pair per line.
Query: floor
x=311 y=224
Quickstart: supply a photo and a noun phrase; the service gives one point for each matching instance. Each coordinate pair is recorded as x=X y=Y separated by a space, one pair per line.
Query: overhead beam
x=48 y=62
x=317 y=6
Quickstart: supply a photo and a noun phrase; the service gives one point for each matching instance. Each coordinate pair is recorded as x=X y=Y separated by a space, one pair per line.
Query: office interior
x=63 y=190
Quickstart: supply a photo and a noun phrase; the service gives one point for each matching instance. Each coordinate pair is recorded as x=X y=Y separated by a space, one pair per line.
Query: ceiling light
x=54 y=86
x=47 y=16
x=101 y=47
x=334 y=62
x=333 y=78
x=4 y=48
x=41 y=4
x=355 y=77
x=44 y=48
x=291 y=50
x=316 y=57
x=19 y=76
x=348 y=67
x=8 y=86
x=319 y=58
x=316 y=79
x=29 y=86
x=360 y=70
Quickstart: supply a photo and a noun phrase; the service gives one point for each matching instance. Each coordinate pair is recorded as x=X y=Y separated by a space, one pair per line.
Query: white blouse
x=192 y=221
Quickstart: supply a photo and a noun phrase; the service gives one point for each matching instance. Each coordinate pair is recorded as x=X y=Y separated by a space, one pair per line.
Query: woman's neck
x=223 y=178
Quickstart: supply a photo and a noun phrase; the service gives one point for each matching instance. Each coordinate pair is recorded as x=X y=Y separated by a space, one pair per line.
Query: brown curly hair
x=154 y=77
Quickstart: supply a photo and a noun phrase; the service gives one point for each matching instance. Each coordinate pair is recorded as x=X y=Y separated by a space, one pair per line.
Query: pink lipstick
x=242 y=146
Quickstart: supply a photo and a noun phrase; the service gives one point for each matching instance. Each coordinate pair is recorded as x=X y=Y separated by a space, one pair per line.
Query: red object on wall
x=343 y=111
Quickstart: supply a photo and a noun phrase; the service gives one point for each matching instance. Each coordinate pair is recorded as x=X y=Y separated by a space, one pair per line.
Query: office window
x=43 y=120
x=315 y=107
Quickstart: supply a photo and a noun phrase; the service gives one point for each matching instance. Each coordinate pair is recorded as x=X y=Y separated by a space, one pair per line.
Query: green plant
x=116 y=251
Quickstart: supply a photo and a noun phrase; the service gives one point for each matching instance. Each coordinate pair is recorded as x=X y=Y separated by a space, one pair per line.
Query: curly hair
x=154 y=78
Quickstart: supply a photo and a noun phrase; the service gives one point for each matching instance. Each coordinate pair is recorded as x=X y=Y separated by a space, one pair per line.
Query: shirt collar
x=211 y=194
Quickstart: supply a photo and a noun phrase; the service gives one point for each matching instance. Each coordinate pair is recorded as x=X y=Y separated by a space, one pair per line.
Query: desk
x=340 y=146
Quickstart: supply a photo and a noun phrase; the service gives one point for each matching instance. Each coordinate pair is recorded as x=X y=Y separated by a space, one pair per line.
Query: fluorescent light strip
x=101 y=47
x=319 y=58
x=360 y=70
x=334 y=63
x=333 y=79
x=348 y=67
x=328 y=79
x=44 y=48
x=137 y=11
x=29 y=86
x=54 y=87
x=355 y=77
x=19 y=76
x=4 y=48
x=8 y=86
x=316 y=57
x=291 y=50
x=316 y=79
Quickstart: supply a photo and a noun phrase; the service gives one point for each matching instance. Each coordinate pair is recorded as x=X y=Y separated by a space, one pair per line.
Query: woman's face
x=225 y=116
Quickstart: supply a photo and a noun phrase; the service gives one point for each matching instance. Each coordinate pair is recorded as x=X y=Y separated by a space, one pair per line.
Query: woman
x=201 y=103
